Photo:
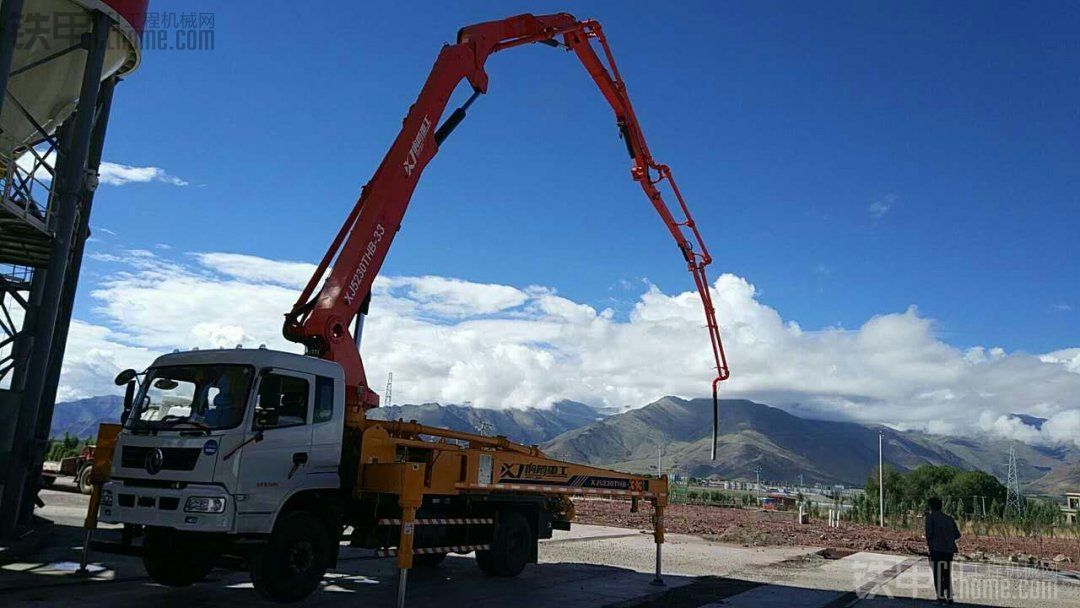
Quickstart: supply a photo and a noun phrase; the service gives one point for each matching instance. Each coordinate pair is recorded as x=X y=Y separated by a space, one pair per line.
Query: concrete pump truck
x=265 y=460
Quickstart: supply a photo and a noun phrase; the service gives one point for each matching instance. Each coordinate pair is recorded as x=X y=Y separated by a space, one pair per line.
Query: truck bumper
x=164 y=507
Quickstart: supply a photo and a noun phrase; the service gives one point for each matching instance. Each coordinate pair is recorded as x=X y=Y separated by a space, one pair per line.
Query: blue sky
x=849 y=159
x=890 y=192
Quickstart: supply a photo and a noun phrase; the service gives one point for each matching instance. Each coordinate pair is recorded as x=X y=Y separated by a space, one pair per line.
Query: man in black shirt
x=941 y=536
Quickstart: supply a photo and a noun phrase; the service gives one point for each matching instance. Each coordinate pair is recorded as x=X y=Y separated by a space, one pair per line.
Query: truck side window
x=287 y=395
x=324 y=398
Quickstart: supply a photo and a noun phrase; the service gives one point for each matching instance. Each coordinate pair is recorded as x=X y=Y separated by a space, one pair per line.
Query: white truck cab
x=220 y=440
x=241 y=459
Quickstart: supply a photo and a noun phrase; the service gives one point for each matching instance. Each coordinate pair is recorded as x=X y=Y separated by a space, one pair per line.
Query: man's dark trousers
x=941 y=564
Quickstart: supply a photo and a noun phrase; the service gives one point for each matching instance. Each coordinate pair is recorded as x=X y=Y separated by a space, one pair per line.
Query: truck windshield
x=181 y=396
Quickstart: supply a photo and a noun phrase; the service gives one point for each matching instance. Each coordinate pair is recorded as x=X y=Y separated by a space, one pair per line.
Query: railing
x=14 y=292
x=27 y=183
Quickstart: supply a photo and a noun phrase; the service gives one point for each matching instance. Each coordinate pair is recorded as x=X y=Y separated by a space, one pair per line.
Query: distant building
x=780 y=502
x=1072 y=507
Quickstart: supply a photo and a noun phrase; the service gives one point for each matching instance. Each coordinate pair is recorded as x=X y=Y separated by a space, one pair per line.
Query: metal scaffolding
x=44 y=223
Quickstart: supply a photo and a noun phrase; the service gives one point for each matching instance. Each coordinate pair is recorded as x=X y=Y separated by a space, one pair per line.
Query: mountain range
x=752 y=437
x=81 y=417
x=755 y=436
x=528 y=426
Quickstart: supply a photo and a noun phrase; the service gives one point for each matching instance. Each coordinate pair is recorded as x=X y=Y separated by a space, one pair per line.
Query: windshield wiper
x=139 y=427
x=171 y=420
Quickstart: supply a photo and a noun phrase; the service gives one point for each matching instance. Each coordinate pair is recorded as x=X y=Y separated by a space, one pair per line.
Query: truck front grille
x=165 y=503
x=174 y=459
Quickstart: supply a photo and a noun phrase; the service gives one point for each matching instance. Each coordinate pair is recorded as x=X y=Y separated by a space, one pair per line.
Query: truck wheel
x=295 y=559
x=428 y=560
x=83 y=480
x=510 y=550
x=172 y=565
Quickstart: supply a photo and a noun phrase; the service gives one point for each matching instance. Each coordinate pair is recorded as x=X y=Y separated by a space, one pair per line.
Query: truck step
x=391 y=552
x=441 y=521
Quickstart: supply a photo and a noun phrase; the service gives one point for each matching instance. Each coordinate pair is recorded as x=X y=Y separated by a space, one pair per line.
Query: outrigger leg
x=658 y=537
x=410 y=499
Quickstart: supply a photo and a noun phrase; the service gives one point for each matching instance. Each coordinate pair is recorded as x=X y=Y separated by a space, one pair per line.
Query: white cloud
x=157 y=303
x=454 y=297
x=880 y=206
x=28 y=161
x=1069 y=357
x=94 y=356
x=501 y=346
x=1058 y=428
x=254 y=269
x=114 y=174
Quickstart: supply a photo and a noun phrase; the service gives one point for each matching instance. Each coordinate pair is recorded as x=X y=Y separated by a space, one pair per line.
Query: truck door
x=271 y=468
x=326 y=432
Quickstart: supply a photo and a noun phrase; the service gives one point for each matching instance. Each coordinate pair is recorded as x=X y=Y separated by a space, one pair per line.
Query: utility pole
x=757 y=486
x=881 y=475
x=659 y=462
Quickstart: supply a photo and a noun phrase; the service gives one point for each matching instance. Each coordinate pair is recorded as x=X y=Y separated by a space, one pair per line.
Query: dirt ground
x=765 y=528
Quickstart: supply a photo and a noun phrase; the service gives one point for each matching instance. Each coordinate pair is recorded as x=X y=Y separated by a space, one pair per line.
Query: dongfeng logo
x=154 y=460
x=417 y=146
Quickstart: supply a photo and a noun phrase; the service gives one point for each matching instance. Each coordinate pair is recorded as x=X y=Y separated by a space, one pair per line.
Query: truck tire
x=510 y=549
x=83 y=480
x=172 y=564
x=295 y=559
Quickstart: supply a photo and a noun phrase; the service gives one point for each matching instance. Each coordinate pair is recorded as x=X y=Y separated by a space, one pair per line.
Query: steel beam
x=10 y=14
x=50 y=322
x=82 y=232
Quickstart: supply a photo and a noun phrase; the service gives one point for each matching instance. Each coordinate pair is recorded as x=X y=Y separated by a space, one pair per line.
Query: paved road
x=591 y=566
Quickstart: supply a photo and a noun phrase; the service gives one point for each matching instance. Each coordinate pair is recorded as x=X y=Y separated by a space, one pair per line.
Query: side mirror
x=125 y=377
x=129 y=398
x=266 y=418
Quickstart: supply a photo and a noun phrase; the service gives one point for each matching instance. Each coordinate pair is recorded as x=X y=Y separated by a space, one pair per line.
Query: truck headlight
x=204 y=504
x=106 y=498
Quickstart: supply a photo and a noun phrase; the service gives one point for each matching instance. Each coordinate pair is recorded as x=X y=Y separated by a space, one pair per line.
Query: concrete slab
x=986 y=585
x=815 y=582
x=592 y=532
x=777 y=596
x=815 y=572
x=682 y=554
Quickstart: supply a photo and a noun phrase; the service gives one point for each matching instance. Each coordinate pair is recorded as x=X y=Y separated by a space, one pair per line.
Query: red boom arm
x=320 y=320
